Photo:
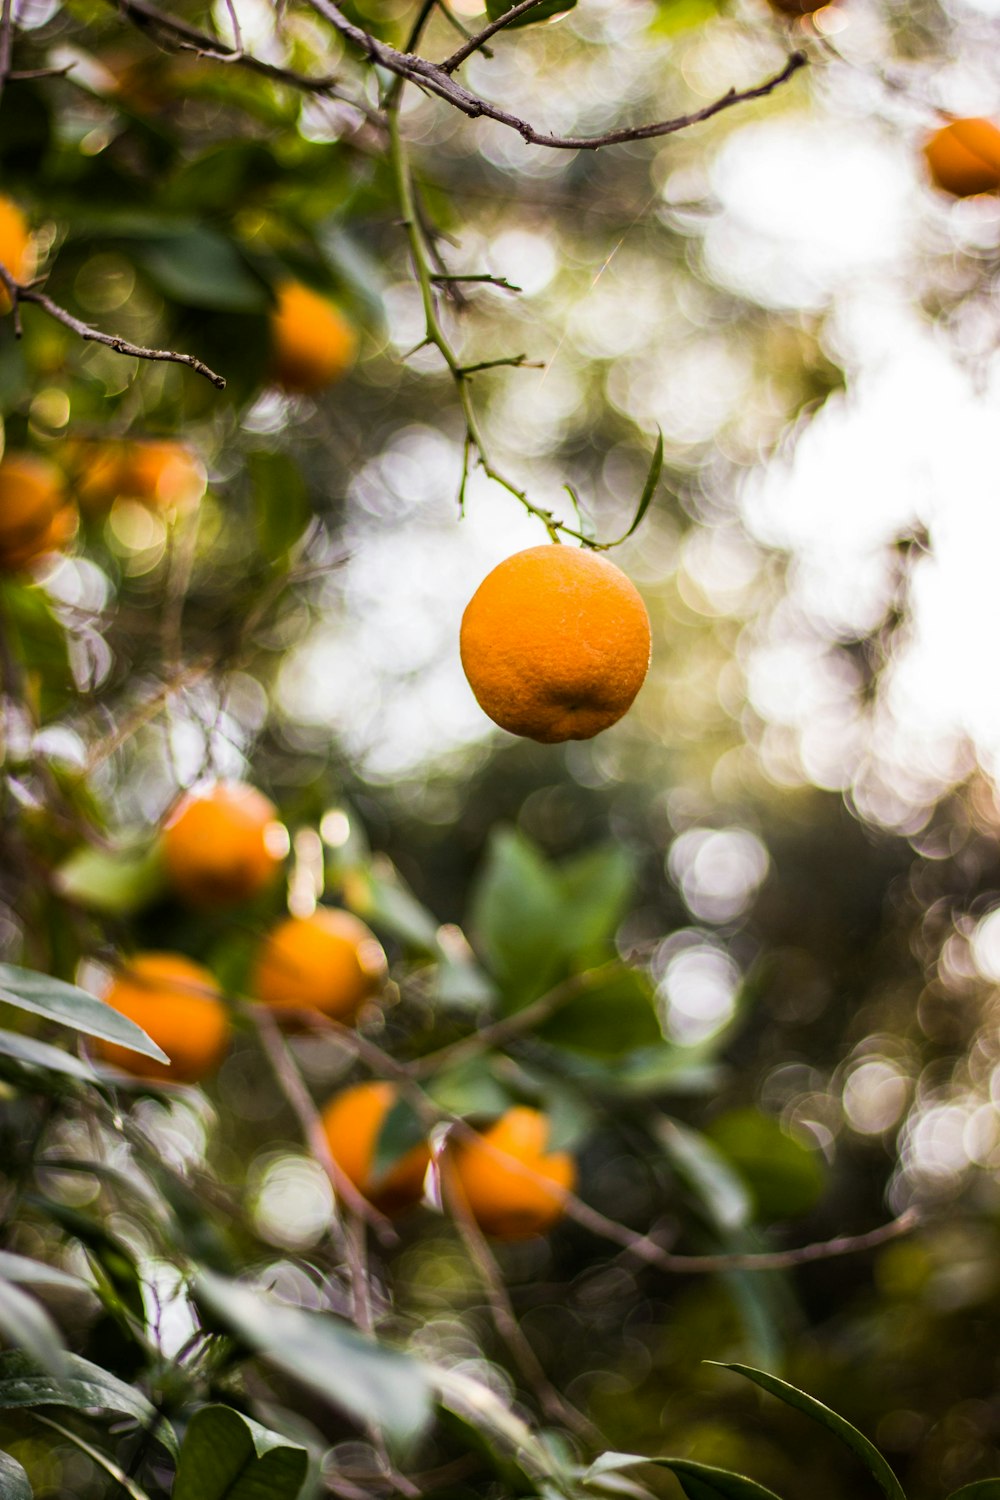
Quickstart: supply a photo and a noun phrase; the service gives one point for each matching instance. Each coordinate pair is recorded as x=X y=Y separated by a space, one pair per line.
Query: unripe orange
x=328 y=961
x=16 y=253
x=352 y=1122
x=35 y=514
x=178 y=1004
x=314 y=344
x=223 y=845
x=508 y=1183
x=963 y=158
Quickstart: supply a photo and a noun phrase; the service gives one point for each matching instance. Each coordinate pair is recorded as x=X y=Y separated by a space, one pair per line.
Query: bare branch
x=498 y=281
x=29 y=293
x=475 y=42
x=6 y=43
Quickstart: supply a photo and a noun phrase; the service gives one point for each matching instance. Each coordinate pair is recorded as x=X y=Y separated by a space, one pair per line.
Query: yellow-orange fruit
x=314 y=345
x=178 y=1004
x=35 y=515
x=96 y=469
x=508 y=1183
x=220 y=845
x=162 y=474
x=328 y=962
x=16 y=253
x=963 y=158
x=555 y=643
x=352 y=1121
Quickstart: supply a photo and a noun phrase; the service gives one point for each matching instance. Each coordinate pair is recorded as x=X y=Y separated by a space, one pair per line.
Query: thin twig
x=474 y=43
x=30 y=293
x=497 y=281
x=6 y=43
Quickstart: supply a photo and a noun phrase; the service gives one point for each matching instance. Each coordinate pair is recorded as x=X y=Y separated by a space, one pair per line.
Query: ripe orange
x=314 y=344
x=352 y=1122
x=16 y=253
x=328 y=962
x=161 y=474
x=509 y=1185
x=35 y=514
x=964 y=157
x=178 y=1004
x=223 y=845
x=555 y=643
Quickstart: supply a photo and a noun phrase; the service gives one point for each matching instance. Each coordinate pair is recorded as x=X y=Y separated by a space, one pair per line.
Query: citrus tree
x=388 y=1108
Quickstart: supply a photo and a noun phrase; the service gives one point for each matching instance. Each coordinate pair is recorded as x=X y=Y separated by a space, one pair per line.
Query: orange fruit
x=511 y=1187
x=35 y=514
x=162 y=474
x=223 y=845
x=178 y=1004
x=328 y=962
x=352 y=1122
x=16 y=252
x=555 y=643
x=964 y=157
x=314 y=344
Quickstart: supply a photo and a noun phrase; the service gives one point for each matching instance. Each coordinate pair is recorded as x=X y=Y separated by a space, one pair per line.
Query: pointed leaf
x=707 y=1174
x=71 y=1006
x=855 y=1440
x=30 y=1053
x=698 y=1481
x=28 y=1272
x=26 y=1325
x=980 y=1489
x=401 y=1130
x=226 y=1456
x=596 y=887
x=14 y=1483
x=517 y=911
x=648 y=489
x=541 y=12
x=85 y=1387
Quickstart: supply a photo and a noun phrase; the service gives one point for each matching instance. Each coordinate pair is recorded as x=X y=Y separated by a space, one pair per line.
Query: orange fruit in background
x=555 y=643
x=179 y=1005
x=162 y=474
x=963 y=158
x=511 y=1187
x=16 y=253
x=223 y=845
x=352 y=1121
x=329 y=962
x=314 y=345
x=35 y=513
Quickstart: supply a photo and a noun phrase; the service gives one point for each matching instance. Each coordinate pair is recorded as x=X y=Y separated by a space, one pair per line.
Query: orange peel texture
x=351 y=1122
x=178 y=1004
x=329 y=962
x=963 y=158
x=555 y=643
x=506 y=1180
x=218 y=845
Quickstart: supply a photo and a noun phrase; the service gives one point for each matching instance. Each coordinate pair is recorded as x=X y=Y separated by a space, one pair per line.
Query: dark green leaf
x=785 y=1175
x=609 y=1020
x=855 y=1440
x=517 y=911
x=118 y=1283
x=980 y=1489
x=698 y=1481
x=202 y=268
x=70 y=1006
x=25 y=1324
x=401 y=1131
x=226 y=1456
x=85 y=1387
x=596 y=887
x=648 y=489
x=370 y=1382
x=14 y=1483
x=39 y=640
x=541 y=12
x=281 y=502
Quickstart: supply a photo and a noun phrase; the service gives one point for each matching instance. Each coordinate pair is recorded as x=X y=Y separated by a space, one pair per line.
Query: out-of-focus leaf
x=517 y=912
x=84 y=1387
x=281 y=501
x=118 y=1474
x=229 y=174
x=980 y=1489
x=596 y=890
x=849 y=1435
x=698 y=1481
x=226 y=1456
x=785 y=1175
x=676 y=16
x=39 y=641
x=483 y=1409
x=370 y=1382
x=541 y=12
x=460 y=984
x=379 y=896
x=357 y=267
x=31 y=1054
x=28 y=1272
x=117 y=1280
x=401 y=1131
x=14 y=1484
x=469 y=1088
x=707 y=1174
x=202 y=268
x=70 y=1006
x=26 y=1325
x=117 y=883
x=609 y=1020
x=648 y=489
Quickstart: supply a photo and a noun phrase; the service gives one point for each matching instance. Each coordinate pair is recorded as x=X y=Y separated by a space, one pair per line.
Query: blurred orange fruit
x=35 y=514
x=178 y=1004
x=963 y=158
x=16 y=253
x=314 y=344
x=555 y=643
x=162 y=474
x=223 y=845
x=352 y=1122
x=328 y=962
x=508 y=1183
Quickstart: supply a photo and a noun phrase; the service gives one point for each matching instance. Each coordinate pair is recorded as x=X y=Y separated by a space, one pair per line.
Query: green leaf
x=226 y=1456
x=707 y=1174
x=379 y=896
x=372 y=1383
x=401 y=1131
x=980 y=1489
x=28 y=1272
x=648 y=489
x=32 y=1054
x=469 y=1088
x=117 y=1279
x=609 y=1020
x=698 y=1481
x=541 y=12
x=597 y=887
x=70 y=1006
x=26 y=1325
x=785 y=1175
x=517 y=912
x=14 y=1483
x=38 y=639
x=84 y=1387
x=116 y=882
x=281 y=502
x=855 y=1440
x=202 y=268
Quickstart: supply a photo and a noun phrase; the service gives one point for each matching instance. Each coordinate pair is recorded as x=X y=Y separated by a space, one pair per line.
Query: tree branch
x=475 y=42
